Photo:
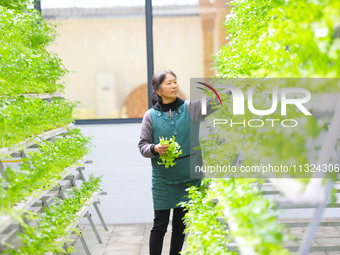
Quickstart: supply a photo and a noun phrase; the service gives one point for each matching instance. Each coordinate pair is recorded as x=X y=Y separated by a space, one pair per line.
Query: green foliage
x=15 y=4
x=281 y=39
x=56 y=222
x=267 y=39
x=22 y=118
x=206 y=234
x=270 y=144
x=254 y=215
x=27 y=67
x=25 y=64
x=285 y=39
x=43 y=168
x=172 y=152
x=242 y=204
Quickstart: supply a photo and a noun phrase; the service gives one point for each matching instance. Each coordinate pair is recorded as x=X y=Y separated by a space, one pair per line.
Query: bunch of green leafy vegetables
x=173 y=152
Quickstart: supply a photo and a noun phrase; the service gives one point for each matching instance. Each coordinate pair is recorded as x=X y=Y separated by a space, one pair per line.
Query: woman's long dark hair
x=156 y=81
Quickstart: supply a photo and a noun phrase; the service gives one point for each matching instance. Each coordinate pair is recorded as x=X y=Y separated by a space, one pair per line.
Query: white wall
x=126 y=174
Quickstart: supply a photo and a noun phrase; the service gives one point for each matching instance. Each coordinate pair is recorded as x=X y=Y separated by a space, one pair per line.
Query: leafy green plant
x=42 y=168
x=15 y=4
x=26 y=66
x=256 y=217
x=294 y=39
x=281 y=39
x=56 y=222
x=240 y=203
x=172 y=152
x=267 y=39
x=23 y=118
x=207 y=235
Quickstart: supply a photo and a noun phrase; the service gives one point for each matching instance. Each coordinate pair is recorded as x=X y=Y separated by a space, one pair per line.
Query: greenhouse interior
x=201 y=127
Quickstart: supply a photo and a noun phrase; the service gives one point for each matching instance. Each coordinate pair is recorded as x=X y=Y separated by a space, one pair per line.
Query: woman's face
x=169 y=89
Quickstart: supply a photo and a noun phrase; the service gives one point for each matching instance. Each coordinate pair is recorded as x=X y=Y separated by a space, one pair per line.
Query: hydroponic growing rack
x=316 y=196
x=39 y=200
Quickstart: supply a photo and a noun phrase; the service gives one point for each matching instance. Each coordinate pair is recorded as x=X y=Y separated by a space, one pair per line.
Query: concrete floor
x=120 y=239
x=133 y=239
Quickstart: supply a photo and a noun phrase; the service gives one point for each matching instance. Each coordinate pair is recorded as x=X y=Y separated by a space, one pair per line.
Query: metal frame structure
x=149 y=46
x=36 y=203
x=9 y=228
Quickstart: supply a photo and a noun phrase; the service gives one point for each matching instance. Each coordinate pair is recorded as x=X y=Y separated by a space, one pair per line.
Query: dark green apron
x=169 y=184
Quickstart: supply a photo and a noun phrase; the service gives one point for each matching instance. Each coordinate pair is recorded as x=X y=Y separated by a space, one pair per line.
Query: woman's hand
x=161 y=149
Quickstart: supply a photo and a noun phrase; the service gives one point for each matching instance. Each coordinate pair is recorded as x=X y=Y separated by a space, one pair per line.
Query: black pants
x=160 y=225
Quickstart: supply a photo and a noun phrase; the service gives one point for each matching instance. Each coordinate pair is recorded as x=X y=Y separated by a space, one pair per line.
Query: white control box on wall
x=106 y=95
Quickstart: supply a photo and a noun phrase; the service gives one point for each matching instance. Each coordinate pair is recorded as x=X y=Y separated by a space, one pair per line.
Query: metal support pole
x=149 y=46
x=2 y=172
x=88 y=216
x=62 y=194
x=95 y=204
x=86 y=248
x=24 y=154
x=73 y=183
x=44 y=202
x=65 y=248
x=80 y=170
x=309 y=236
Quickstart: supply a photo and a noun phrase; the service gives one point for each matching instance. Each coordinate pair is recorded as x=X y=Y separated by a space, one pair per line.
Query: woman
x=170 y=116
